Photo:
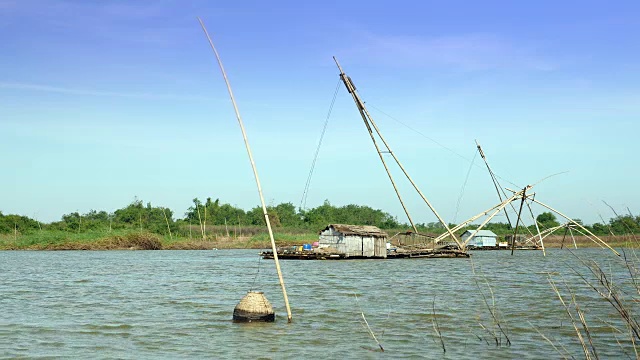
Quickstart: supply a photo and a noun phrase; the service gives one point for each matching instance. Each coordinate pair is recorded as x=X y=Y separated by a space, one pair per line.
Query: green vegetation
x=211 y=224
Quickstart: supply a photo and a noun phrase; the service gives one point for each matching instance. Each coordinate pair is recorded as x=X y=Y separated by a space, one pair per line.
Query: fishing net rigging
x=305 y=193
x=464 y=185
x=434 y=141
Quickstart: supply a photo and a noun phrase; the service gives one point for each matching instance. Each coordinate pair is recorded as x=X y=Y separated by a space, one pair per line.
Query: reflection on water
x=177 y=304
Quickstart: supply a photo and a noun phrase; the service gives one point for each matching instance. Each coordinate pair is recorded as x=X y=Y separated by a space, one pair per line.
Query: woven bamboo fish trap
x=254 y=307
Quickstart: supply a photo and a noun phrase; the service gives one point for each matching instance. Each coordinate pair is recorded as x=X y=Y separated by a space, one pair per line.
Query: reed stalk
x=587 y=352
x=610 y=294
x=436 y=326
x=549 y=341
x=491 y=308
x=366 y=325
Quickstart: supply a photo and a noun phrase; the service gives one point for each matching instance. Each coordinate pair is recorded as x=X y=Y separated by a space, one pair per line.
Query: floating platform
x=487 y=248
x=400 y=254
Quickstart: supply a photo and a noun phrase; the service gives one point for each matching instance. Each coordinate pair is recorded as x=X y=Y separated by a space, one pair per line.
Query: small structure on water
x=254 y=307
x=339 y=241
x=482 y=238
x=354 y=240
x=520 y=239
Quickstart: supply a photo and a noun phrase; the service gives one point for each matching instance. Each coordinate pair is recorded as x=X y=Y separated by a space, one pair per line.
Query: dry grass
x=131 y=241
x=555 y=241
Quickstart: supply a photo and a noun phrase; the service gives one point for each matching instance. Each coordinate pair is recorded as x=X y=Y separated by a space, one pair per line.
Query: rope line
x=305 y=193
x=464 y=185
x=433 y=140
x=257 y=273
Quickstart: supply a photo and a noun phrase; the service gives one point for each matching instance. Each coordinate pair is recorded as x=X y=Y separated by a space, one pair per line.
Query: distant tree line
x=200 y=214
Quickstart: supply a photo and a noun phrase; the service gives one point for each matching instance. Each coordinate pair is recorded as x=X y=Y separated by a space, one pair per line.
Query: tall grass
x=88 y=240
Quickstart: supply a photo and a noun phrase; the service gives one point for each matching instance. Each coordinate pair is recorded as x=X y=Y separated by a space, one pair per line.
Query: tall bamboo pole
x=255 y=173
x=204 y=224
x=493 y=179
x=497 y=185
x=167 y=221
x=200 y=221
x=573 y=238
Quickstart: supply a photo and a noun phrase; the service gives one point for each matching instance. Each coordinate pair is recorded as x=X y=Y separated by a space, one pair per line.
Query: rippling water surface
x=178 y=304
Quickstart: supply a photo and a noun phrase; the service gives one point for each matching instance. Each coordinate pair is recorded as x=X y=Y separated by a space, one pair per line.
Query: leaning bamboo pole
x=600 y=241
x=475 y=232
x=545 y=233
x=368 y=119
x=475 y=217
x=364 y=114
x=497 y=185
x=544 y=252
x=255 y=173
x=573 y=238
x=515 y=232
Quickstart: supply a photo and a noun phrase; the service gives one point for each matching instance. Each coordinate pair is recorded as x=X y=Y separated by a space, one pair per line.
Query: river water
x=178 y=304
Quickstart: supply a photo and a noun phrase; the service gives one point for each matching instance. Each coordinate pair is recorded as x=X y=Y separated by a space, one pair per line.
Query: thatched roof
x=362 y=230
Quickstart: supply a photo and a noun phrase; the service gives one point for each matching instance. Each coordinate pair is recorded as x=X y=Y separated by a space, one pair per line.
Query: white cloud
x=87 y=92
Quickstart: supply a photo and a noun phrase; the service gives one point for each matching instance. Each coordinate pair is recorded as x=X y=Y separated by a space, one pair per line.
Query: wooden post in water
x=566 y=229
x=255 y=174
x=515 y=233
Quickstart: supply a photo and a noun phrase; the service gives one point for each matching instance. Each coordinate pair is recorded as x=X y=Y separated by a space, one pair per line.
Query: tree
x=547 y=220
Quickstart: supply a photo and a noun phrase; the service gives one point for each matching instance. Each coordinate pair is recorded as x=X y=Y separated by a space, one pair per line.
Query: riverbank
x=136 y=240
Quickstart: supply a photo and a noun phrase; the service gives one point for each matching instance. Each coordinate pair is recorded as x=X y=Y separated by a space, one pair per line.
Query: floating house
x=361 y=241
x=520 y=239
x=483 y=238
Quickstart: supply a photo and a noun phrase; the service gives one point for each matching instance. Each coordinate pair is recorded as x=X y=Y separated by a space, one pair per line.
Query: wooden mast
x=255 y=174
x=493 y=178
x=515 y=232
x=368 y=120
x=360 y=104
x=498 y=187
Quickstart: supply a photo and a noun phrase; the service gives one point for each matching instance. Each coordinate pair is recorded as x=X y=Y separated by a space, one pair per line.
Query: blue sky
x=105 y=101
